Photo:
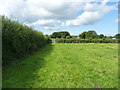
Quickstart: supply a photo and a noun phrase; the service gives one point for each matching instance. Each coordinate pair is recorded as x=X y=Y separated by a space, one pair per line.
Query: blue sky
x=107 y=25
x=57 y=15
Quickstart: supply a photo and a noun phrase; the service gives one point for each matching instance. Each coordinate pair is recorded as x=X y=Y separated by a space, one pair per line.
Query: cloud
x=48 y=22
x=49 y=14
x=90 y=15
x=31 y=10
x=51 y=28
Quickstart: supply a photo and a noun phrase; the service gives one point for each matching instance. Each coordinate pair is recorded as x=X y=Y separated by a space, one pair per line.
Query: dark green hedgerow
x=19 y=40
x=86 y=40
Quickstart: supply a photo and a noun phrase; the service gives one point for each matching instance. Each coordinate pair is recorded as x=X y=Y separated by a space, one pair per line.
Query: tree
x=61 y=34
x=101 y=36
x=88 y=35
x=117 y=36
x=83 y=35
x=91 y=34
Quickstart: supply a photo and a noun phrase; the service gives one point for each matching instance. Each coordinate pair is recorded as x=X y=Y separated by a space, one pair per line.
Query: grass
x=65 y=66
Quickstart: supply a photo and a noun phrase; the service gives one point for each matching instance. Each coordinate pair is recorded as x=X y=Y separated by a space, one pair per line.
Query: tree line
x=72 y=40
x=84 y=35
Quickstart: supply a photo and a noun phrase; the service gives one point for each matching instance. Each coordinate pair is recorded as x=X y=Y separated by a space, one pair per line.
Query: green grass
x=65 y=66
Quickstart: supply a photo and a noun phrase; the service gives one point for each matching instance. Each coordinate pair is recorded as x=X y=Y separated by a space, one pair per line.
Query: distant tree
x=88 y=35
x=61 y=34
x=117 y=36
x=91 y=34
x=105 y=36
x=101 y=36
x=83 y=35
x=54 y=35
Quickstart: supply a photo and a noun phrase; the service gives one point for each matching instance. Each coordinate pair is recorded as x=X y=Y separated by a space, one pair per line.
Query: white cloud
x=92 y=14
x=51 y=28
x=31 y=10
x=84 y=19
x=48 y=14
x=48 y=22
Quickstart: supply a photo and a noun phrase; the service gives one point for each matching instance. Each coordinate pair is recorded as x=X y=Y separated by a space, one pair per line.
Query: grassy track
x=65 y=66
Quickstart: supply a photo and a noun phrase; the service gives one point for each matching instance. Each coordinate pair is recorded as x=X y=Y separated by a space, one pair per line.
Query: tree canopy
x=117 y=36
x=88 y=35
x=62 y=34
x=101 y=36
x=91 y=34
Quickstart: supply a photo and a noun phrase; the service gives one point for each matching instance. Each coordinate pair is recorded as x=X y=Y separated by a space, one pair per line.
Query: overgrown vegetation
x=19 y=40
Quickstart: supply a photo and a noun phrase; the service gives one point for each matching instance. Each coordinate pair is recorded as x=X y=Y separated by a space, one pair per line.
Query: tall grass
x=19 y=40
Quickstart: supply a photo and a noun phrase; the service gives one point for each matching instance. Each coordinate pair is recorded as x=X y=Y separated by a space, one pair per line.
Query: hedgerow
x=86 y=40
x=19 y=40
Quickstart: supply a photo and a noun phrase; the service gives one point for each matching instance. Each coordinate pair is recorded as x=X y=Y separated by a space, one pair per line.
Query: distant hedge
x=86 y=41
x=19 y=40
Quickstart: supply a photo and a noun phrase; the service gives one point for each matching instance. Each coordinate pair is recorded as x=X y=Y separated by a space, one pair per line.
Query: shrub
x=86 y=40
x=19 y=40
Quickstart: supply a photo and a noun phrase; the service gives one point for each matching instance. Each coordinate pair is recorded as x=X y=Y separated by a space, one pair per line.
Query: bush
x=19 y=40
x=86 y=41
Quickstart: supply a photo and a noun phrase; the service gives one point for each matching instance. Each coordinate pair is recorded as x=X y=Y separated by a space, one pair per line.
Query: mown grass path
x=65 y=66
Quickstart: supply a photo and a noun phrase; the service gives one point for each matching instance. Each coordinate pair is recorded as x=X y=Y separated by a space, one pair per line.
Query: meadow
x=63 y=65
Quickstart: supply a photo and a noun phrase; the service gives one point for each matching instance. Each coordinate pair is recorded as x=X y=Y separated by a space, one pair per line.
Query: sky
x=74 y=16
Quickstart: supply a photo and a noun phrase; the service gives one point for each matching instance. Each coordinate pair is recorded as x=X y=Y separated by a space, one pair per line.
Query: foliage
x=66 y=66
x=83 y=35
x=61 y=34
x=19 y=40
x=48 y=39
x=88 y=35
x=117 y=36
x=101 y=36
x=67 y=37
x=86 y=40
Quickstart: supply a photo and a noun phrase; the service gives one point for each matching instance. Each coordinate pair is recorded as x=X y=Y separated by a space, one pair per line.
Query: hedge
x=86 y=41
x=19 y=40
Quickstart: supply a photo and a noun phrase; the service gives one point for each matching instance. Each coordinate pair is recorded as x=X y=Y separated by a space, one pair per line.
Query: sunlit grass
x=65 y=66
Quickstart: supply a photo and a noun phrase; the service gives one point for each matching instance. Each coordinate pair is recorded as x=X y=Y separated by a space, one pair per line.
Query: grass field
x=65 y=66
